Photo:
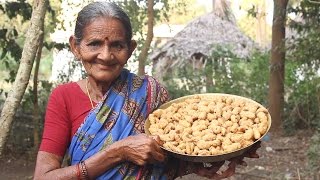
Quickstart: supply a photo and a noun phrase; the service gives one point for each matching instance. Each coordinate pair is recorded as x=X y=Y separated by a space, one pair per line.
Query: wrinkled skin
x=142 y=149
x=139 y=149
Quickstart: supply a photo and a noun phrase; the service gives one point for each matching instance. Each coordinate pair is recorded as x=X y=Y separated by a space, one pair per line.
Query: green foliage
x=306 y=33
x=302 y=75
x=308 y=16
x=14 y=21
x=230 y=75
x=66 y=76
x=137 y=12
x=302 y=68
x=22 y=134
x=9 y=44
x=44 y=89
x=302 y=89
x=184 y=81
x=10 y=47
x=19 y=7
x=181 y=11
x=249 y=78
x=253 y=20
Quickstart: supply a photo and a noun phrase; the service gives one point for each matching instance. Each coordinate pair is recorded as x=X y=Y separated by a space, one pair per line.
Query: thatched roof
x=198 y=39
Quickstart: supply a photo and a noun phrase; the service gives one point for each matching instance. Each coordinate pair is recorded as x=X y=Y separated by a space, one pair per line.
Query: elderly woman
x=98 y=121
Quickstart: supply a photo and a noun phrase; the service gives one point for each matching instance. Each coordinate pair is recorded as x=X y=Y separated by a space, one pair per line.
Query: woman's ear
x=133 y=45
x=74 y=47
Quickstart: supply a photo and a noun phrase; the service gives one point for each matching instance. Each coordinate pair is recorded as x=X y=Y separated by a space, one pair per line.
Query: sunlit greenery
x=255 y=20
x=245 y=77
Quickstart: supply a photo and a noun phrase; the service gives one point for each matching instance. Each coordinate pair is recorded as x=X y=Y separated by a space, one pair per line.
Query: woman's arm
x=140 y=149
x=48 y=165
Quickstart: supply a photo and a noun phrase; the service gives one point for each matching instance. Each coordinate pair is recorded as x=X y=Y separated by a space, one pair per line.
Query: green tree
x=10 y=34
x=27 y=58
x=303 y=86
x=232 y=75
x=16 y=18
x=303 y=89
x=277 y=64
x=146 y=46
x=143 y=24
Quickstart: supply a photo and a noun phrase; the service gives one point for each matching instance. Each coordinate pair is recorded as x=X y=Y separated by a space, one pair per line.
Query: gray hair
x=101 y=9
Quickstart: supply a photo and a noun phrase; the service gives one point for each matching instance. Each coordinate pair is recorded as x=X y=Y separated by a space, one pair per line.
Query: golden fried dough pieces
x=213 y=125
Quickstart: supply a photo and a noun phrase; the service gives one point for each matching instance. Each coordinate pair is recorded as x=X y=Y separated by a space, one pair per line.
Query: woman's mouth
x=106 y=66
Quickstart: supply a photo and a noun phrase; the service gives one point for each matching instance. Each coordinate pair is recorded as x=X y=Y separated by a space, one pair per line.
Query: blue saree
x=121 y=114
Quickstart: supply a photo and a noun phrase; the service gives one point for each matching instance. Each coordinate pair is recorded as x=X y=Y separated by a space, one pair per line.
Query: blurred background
x=265 y=50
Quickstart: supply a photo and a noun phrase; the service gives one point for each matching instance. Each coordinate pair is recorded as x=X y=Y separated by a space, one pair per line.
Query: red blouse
x=67 y=108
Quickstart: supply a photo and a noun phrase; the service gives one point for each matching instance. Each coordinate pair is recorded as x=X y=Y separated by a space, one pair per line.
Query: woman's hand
x=251 y=153
x=212 y=172
x=142 y=149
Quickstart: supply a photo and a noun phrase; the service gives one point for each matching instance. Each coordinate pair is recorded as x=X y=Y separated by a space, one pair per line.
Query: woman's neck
x=96 y=89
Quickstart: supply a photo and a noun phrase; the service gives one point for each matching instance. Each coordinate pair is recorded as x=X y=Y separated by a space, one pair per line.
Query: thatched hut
x=197 y=41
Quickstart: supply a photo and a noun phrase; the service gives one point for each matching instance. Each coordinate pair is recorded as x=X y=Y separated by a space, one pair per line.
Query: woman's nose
x=105 y=54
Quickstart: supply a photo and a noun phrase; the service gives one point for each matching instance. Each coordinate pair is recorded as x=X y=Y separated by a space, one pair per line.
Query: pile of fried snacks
x=206 y=126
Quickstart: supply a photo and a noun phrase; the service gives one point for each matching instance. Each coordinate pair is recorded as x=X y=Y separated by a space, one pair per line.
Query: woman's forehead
x=109 y=27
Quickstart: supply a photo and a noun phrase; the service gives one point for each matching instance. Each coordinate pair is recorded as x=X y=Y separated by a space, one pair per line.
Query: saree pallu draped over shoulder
x=122 y=113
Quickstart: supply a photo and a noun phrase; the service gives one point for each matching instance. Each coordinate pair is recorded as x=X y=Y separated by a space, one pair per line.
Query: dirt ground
x=281 y=157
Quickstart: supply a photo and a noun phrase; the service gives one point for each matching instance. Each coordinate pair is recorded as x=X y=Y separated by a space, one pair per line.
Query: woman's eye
x=117 y=46
x=94 y=43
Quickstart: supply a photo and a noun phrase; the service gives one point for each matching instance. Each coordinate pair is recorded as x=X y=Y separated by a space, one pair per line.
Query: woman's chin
x=106 y=77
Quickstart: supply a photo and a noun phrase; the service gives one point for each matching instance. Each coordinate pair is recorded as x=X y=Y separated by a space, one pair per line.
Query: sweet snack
x=209 y=125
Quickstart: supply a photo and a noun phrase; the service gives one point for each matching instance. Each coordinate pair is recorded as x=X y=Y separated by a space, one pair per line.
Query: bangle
x=78 y=172
x=84 y=170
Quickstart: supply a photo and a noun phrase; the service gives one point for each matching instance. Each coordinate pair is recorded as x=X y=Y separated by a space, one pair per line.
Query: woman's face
x=104 y=49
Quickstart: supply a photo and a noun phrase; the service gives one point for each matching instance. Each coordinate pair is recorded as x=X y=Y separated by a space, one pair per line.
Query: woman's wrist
x=84 y=171
x=120 y=151
x=81 y=171
x=104 y=160
x=78 y=171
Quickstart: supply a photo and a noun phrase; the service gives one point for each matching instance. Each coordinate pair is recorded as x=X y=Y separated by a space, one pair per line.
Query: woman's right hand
x=142 y=149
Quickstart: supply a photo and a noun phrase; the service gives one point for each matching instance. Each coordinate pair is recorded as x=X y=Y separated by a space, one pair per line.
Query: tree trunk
x=22 y=78
x=144 y=52
x=36 y=115
x=277 y=65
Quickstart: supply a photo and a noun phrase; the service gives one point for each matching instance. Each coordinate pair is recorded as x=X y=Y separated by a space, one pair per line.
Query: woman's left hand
x=251 y=153
x=211 y=172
